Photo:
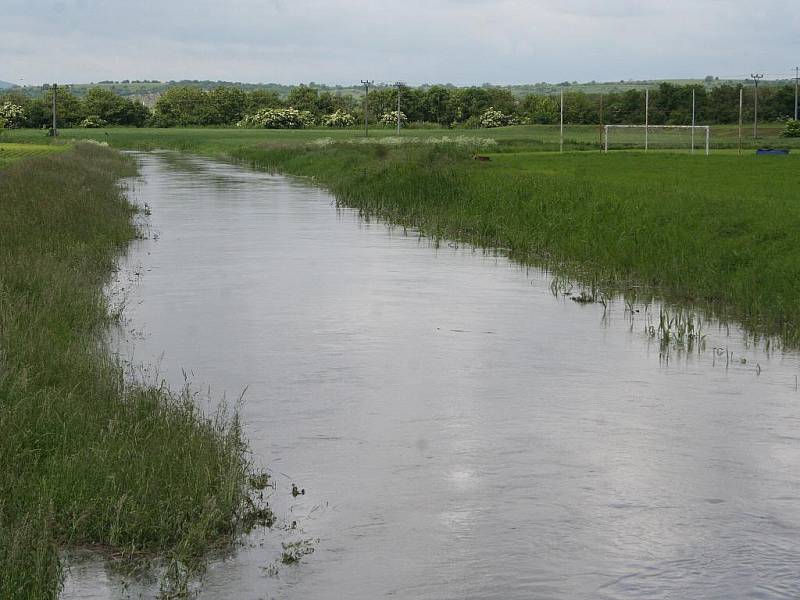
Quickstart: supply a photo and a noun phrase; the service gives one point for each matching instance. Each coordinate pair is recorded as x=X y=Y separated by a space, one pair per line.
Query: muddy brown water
x=460 y=431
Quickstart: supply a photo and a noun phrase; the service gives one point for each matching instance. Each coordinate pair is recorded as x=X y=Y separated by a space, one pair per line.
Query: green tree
x=303 y=97
x=183 y=106
x=540 y=109
x=438 y=105
x=227 y=105
x=69 y=109
x=259 y=99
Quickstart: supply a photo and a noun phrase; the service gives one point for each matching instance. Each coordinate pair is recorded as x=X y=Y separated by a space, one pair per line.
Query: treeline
x=446 y=106
x=73 y=111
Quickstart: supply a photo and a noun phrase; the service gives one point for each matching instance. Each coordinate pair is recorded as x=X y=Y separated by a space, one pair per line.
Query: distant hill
x=148 y=91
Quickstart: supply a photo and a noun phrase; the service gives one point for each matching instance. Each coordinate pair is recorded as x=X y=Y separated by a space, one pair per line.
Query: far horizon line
x=566 y=83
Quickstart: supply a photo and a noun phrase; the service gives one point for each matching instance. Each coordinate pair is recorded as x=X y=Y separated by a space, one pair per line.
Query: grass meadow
x=87 y=457
x=522 y=138
x=10 y=153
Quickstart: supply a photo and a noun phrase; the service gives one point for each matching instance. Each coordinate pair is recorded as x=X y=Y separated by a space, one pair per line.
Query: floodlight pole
x=756 y=77
x=366 y=85
x=399 y=85
x=693 y=122
x=796 y=83
x=646 y=118
x=561 y=131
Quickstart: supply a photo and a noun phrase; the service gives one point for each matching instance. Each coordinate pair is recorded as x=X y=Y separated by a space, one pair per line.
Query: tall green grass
x=88 y=458
x=722 y=231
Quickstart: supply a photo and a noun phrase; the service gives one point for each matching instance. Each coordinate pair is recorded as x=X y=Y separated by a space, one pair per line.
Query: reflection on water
x=460 y=431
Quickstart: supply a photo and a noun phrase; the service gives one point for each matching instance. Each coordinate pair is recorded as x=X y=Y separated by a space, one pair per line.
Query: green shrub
x=792 y=129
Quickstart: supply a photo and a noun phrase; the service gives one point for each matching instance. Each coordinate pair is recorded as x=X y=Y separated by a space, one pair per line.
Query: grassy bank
x=722 y=231
x=718 y=231
x=87 y=458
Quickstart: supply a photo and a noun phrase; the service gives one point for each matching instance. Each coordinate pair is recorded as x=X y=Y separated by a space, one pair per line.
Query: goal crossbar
x=703 y=128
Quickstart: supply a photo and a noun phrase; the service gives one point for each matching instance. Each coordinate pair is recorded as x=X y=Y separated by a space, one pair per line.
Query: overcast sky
x=419 y=41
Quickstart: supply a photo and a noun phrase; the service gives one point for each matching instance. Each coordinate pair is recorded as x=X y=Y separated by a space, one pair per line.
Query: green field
x=510 y=139
x=10 y=153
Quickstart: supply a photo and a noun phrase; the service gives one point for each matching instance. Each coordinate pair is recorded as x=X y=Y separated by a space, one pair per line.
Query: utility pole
x=646 y=118
x=561 y=132
x=756 y=77
x=693 y=119
x=399 y=85
x=741 y=108
x=366 y=85
x=601 y=122
x=55 y=93
x=796 y=80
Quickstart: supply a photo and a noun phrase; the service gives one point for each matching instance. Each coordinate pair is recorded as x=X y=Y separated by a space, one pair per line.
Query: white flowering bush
x=93 y=122
x=278 y=118
x=459 y=140
x=494 y=118
x=340 y=118
x=12 y=115
x=390 y=118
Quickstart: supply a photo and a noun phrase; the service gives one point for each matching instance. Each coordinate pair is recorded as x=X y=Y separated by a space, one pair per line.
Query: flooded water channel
x=459 y=430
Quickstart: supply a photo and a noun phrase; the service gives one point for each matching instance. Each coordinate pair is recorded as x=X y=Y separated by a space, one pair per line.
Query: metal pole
x=796 y=79
x=605 y=129
x=741 y=107
x=646 y=118
x=708 y=140
x=561 y=134
x=693 y=121
x=55 y=91
x=601 y=120
x=366 y=85
x=756 y=77
x=399 y=85
x=398 y=109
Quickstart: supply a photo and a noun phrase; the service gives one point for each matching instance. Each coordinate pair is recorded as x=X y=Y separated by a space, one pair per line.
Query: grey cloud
x=463 y=41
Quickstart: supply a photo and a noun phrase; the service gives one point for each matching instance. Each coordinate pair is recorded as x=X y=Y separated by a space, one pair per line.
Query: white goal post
x=657 y=128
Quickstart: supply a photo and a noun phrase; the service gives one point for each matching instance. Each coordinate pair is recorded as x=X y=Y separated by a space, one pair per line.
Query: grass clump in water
x=88 y=458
